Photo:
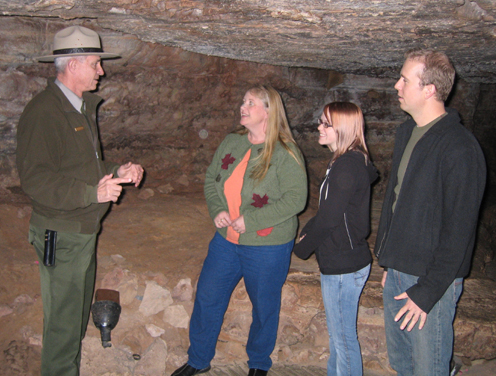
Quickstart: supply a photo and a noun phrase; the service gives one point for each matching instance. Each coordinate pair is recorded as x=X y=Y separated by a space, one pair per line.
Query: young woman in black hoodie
x=337 y=234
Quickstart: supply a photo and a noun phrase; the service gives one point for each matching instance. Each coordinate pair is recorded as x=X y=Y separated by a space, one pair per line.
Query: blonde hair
x=437 y=71
x=277 y=130
x=348 y=123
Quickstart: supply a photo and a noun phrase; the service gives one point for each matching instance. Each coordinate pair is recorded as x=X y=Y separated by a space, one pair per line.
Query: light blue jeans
x=425 y=352
x=264 y=269
x=341 y=294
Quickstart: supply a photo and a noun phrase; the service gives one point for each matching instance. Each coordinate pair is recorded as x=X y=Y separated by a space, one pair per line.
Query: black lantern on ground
x=106 y=310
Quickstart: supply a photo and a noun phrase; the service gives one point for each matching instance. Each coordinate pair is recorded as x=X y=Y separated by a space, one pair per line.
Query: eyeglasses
x=324 y=123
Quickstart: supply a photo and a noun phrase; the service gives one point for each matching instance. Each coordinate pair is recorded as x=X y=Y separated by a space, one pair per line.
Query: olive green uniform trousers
x=67 y=292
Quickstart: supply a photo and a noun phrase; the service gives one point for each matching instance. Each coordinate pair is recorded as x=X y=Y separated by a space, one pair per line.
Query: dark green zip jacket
x=60 y=163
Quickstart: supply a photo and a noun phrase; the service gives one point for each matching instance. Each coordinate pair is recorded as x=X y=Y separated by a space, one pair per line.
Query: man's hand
x=413 y=313
x=384 y=276
x=131 y=171
x=110 y=189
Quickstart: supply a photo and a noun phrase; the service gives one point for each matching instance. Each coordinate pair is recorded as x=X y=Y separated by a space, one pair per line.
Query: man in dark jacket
x=60 y=166
x=429 y=217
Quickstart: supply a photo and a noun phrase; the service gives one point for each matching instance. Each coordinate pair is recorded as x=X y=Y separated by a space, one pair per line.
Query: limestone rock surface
x=352 y=36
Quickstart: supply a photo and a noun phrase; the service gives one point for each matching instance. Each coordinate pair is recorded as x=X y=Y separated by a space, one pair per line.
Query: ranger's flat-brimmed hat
x=76 y=41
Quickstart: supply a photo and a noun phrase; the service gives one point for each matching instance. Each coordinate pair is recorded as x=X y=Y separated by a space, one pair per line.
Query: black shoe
x=454 y=368
x=257 y=372
x=187 y=370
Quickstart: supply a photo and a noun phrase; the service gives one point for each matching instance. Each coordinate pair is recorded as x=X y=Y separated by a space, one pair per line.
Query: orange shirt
x=232 y=190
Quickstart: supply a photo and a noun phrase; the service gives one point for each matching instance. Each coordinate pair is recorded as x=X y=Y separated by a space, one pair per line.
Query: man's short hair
x=61 y=62
x=438 y=71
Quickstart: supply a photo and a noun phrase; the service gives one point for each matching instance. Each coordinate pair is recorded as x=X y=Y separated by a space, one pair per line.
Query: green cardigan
x=57 y=164
x=273 y=202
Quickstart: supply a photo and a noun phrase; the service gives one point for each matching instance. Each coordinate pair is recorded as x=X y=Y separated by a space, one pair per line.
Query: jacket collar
x=92 y=100
x=440 y=127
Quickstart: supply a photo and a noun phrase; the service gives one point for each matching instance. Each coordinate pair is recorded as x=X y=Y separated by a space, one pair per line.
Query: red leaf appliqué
x=258 y=201
x=265 y=231
x=227 y=160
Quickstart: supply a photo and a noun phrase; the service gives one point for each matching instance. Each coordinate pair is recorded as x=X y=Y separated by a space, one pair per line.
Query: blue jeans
x=425 y=352
x=341 y=294
x=264 y=269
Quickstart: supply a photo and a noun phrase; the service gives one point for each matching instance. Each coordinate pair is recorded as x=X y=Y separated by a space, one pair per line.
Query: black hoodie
x=337 y=234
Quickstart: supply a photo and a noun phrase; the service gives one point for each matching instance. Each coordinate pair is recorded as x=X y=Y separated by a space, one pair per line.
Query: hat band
x=84 y=50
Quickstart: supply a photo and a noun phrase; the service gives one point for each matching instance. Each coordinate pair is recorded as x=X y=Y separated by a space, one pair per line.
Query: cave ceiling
x=350 y=36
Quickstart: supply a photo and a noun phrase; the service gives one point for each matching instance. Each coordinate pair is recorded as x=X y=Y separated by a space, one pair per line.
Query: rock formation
x=360 y=37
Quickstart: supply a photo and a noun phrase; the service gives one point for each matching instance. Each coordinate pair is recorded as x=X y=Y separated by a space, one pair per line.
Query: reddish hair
x=348 y=123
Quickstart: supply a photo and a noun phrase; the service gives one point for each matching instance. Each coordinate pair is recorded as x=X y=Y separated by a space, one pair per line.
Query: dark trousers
x=67 y=292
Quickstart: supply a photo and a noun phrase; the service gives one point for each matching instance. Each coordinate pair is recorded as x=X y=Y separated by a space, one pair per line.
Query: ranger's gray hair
x=61 y=62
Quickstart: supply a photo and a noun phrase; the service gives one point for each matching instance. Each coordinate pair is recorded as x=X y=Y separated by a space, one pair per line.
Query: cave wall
x=168 y=109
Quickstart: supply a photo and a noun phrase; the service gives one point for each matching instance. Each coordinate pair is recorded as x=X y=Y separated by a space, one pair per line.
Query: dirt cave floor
x=161 y=237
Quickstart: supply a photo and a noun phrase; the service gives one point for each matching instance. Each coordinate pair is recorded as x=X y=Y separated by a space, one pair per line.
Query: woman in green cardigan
x=254 y=187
